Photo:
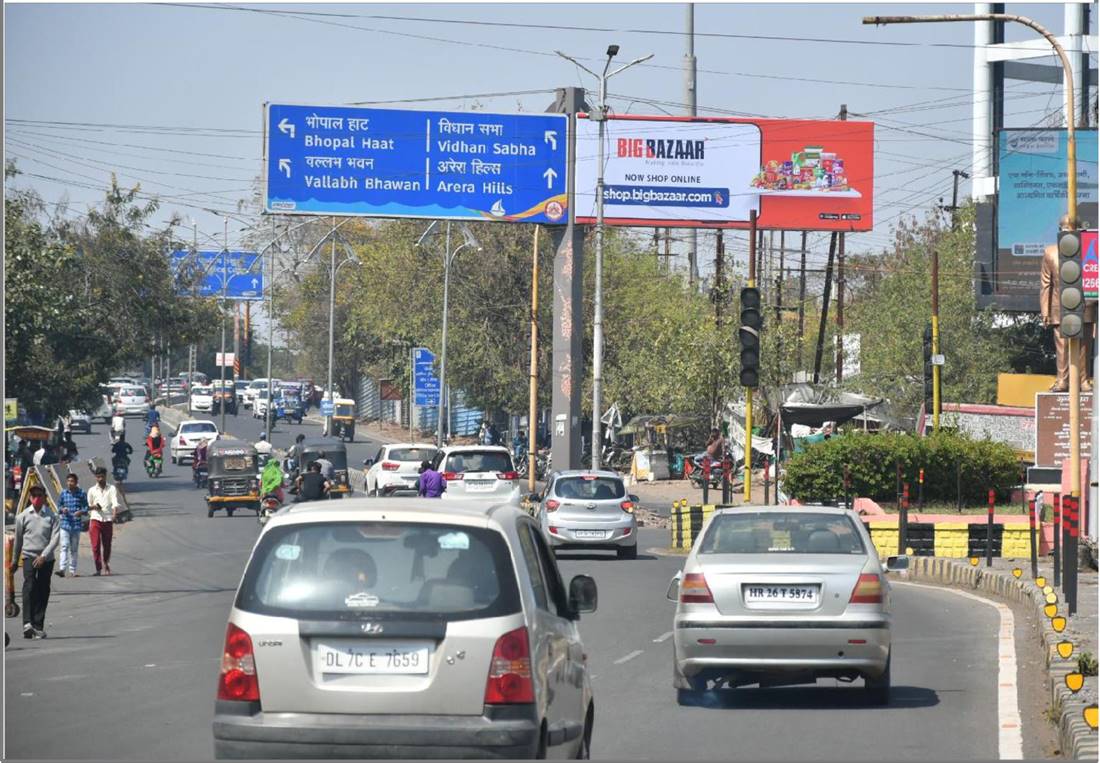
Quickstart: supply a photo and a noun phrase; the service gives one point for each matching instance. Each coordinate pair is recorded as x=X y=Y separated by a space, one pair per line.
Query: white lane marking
x=628 y=657
x=1010 y=744
x=662 y=637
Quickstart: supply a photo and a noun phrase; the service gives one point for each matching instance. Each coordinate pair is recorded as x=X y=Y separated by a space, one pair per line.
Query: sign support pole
x=748 y=390
x=225 y=286
x=532 y=411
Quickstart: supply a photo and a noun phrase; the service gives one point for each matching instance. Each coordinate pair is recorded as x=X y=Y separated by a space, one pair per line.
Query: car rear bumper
x=240 y=732
x=861 y=646
x=617 y=537
x=390 y=482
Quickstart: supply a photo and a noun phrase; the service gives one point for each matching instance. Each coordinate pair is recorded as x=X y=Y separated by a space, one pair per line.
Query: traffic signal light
x=928 y=377
x=749 y=334
x=1071 y=291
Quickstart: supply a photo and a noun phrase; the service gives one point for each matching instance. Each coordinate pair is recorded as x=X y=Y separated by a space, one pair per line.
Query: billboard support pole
x=690 y=94
x=824 y=309
x=936 y=402
x=748 y=390
x=801 y=300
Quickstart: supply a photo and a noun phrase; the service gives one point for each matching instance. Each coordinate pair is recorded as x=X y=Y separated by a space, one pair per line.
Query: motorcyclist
x=118 y=425
x=263 y=447
x=271 y=480
x=152 y=418
x=121 y=451
x=154 y=444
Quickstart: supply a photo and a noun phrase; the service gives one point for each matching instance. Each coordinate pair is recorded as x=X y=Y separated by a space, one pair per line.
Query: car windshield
x=411 y=454
x=479 y=461
x=788 y=532
x=590 y=488
x=204 y=390
x=347 y=570
x=241 y=385
x=198 y=427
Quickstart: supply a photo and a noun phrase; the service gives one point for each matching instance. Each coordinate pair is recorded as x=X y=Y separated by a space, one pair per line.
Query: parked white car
x=188 y=436
x=478 y=471
x=396 y=467
x=253 y=389
x=202 y=398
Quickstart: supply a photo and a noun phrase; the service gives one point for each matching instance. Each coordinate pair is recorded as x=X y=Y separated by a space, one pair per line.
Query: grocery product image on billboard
x=795 y=174
x=1032 y=199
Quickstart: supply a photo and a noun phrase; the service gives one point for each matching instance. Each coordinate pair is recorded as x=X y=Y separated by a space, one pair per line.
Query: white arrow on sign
x=549 y=175
x=284 y=166
x=286 y=127
x=551 y=137
x=255 y=284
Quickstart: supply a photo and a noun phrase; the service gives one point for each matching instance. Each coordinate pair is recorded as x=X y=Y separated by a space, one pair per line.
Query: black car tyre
x=627 y=552
x=584 y=751
x=209 y=513
x=878 y=689
x=229 y=513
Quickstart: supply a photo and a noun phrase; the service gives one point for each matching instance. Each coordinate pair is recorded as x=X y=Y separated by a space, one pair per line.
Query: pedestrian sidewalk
x=1076 y=738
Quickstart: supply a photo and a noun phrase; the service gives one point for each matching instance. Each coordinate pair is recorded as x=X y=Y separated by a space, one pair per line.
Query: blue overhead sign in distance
x=329 y=160
x=425 y=382
x=240 y=271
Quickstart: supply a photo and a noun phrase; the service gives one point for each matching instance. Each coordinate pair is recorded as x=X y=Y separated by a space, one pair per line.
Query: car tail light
x=508 y=476
x=868 y=590
x=453 y=476
x=510 y=671
x=390 y=466
x=238 y=680
x=552 y=505
x=627 y=506
x=554 y=530
x=694 y=589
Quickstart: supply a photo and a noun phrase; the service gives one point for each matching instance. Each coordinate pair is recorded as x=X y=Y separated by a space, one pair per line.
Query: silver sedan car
x=780 y=595
x=585 y=509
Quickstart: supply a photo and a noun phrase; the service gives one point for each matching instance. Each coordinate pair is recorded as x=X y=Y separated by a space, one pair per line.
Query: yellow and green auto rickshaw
x=343 y=419
x=232 y=482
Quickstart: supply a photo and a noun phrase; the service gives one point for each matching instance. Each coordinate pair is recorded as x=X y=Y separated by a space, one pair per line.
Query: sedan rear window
x=343 y=570
x=196 y=427
x=479 y=461
x=794 y=532
x=591 y=488
x=411 y=454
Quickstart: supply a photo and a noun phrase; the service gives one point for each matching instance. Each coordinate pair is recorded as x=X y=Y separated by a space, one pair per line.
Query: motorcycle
x=154 y=464
x=120 y=469
x=693 y=468
x=269 y=504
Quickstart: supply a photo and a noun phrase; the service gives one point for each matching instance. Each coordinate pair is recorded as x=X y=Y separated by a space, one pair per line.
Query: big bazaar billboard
x=796 y=174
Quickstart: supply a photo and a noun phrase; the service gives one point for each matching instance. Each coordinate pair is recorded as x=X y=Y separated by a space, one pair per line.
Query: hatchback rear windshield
x=133 y=392
x=411 y=454
x=795 y=532
x=590 y=488
x=345 y=570
x=204 y=390
x=479 y=461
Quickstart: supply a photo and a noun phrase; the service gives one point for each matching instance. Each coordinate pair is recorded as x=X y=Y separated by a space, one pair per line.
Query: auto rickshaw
x=231 y=481
x=293 y=407
x=343 y=419
x=335 y=451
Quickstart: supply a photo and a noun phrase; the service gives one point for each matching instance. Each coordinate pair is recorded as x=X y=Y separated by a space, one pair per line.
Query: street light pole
x=270 y=328
x=1071 y=199
x=447 y=259
x=597 y=321
x=191 y=348
x=225 y=279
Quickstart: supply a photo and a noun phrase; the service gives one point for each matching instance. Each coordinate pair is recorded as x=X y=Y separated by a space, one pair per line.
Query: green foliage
x=1086 y=664
x=85 y=299
x=949 y=460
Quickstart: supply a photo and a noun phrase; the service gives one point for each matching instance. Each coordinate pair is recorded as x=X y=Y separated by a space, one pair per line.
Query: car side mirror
x=635 y=499
x=368 y=462
x=896 y=563
x=582 y=594
x=673 y=592
x=533 y=497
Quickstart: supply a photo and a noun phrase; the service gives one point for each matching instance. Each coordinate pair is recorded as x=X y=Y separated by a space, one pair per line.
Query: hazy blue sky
x=149 y=83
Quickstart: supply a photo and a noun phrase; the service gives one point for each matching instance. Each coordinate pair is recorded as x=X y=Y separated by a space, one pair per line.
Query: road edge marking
x=1010 y=740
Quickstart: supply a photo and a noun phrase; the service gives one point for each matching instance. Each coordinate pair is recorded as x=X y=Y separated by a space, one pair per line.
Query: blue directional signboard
x=240 y=271
x=425 y=382
x=329 y=160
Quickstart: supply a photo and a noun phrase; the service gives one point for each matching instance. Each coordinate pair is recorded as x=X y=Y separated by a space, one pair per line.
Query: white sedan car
x=396 y=467
x=202 y=398
x=188 y=436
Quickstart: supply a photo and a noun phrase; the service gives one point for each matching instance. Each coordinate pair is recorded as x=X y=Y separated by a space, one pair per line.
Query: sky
x=170 y=96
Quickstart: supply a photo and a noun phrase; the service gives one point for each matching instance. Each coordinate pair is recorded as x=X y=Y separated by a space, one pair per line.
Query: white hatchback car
x=403 y=628
x=396 y=467
x=188 y=436
x=132 y=400
x=202 y=398
x=478 y=471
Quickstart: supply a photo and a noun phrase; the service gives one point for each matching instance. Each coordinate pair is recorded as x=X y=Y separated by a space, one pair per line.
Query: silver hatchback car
x=781 y=595
x=404 y=628
x=585 y=509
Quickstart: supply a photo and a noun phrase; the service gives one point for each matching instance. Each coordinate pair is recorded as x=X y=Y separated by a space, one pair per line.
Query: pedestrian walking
x=74 y=507
x=103 y=508
x=37 y=532
x=431 y=483
x=69 y=452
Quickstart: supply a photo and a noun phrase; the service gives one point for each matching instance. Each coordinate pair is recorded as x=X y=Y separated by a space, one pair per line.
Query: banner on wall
x=687 y=172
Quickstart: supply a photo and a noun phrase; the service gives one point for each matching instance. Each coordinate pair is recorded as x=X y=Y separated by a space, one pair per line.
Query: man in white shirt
x=263 y=447
x=103 y=505
x=40 y=453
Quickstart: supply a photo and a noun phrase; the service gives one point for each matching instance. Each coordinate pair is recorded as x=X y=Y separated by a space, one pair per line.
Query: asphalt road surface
x=129 y=668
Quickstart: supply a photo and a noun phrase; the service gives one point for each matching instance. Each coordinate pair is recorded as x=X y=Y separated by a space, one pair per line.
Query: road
x=129 y=668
